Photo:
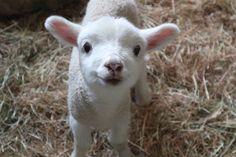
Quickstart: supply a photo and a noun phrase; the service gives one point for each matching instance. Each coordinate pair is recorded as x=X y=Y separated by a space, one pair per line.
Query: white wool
x=116 y=8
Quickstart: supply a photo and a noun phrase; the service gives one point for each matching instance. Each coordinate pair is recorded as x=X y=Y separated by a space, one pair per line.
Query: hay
x=193 y=80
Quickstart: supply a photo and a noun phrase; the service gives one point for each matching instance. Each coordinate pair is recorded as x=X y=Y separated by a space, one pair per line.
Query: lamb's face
x=111 y=52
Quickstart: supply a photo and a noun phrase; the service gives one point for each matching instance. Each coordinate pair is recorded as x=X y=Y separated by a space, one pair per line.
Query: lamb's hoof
x=144 y=101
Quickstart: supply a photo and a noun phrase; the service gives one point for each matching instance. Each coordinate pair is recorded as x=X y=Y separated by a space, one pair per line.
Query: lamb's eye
x=87 y=47
x=136 y=50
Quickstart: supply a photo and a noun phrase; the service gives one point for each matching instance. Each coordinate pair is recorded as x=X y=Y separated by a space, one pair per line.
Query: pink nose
x=114 y=67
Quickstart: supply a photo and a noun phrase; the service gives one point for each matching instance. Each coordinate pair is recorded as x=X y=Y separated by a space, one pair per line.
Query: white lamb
x=106 y=62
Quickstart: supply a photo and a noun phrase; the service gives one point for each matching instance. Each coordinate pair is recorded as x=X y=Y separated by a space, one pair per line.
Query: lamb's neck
x=109 y=94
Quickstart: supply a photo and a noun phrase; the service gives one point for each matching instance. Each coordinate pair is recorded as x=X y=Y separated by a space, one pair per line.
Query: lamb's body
x=107 y=61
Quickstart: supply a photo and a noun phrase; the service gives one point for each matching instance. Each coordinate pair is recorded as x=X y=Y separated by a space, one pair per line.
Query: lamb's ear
x=62 y=29
x=158 y=37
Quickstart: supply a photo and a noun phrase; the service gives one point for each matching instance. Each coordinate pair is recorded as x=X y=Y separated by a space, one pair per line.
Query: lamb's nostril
x=119 y=67
x=114 y=67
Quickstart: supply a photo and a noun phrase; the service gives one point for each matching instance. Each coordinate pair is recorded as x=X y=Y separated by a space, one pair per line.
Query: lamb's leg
x=82 y=138
x=142 y=91
x=119 y=135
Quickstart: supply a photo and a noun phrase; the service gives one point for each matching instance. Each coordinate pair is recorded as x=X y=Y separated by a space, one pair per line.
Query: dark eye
x=87 y=47
x=136 y=50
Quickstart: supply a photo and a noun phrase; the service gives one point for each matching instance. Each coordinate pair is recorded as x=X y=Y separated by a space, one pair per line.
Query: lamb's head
x=111 y=50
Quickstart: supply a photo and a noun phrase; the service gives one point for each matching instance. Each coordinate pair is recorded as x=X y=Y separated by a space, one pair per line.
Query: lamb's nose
x=114 y=67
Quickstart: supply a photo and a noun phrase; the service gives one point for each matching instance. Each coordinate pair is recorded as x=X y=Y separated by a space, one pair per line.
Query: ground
x=193 y=82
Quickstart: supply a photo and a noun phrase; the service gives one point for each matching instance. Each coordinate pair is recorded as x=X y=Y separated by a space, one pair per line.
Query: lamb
x=107 y=61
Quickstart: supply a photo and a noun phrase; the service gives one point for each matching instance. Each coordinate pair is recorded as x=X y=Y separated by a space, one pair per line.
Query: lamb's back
x=116 y=8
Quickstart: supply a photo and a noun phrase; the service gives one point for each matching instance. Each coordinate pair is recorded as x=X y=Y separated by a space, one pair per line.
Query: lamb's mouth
x=113 y=81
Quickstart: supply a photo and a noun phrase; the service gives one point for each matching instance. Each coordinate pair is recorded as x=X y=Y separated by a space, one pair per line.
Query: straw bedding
x=193 y=81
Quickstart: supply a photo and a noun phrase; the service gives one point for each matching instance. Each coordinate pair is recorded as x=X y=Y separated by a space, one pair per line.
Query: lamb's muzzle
x=106 y=62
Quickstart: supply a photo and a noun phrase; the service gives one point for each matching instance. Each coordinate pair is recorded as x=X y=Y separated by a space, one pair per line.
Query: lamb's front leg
x=141 y=90
x=119 y=135
x=82 y=138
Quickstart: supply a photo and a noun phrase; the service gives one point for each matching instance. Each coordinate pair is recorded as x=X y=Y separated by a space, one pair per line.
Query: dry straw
x=193 y=110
